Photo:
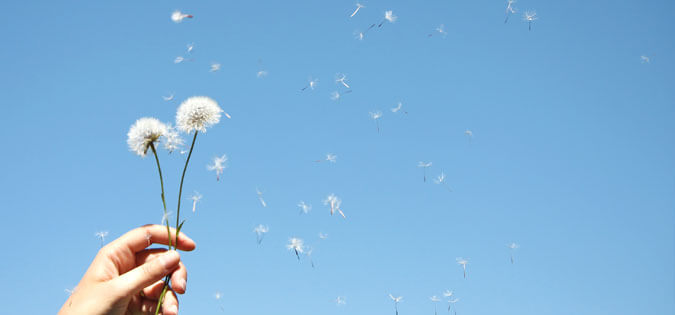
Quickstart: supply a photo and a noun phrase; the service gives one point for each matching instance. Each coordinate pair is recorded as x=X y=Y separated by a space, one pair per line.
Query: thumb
x=148 y=273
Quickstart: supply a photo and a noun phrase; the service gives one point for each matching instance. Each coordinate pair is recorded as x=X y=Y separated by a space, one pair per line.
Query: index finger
x=140 y=238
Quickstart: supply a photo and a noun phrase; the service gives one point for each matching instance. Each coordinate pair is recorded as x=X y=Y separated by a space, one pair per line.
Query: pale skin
x=125 y=277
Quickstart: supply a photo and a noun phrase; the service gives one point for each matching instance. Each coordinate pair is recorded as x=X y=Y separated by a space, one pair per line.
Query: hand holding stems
x=125 y=276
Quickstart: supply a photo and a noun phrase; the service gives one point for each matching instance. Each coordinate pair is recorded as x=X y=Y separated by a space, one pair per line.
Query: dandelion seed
x=197 y=113
x=296 y=245
x=323 y=236
x=376 y=116
x=261 y=74
x=447 y=293
x=441 y=30
x=463 y=262
x=218 y=296
x=398 y=108
x=358 y=7
x=469 y=134
x=168 y=98
x=219 y=164
x=359 y=35
x=452 y=303
x=304 y=208
x=388 y=16
x=312 y=83
x=172 y=139
x=310 y=250
x=179 y=59
x=396 y=300
x=341 y=79
x=331 y=157
x=260 y=198
x=424 y=166
x=530 y=16
x=190 y=47
x=435 y=300
x=101 y=235
x=178 y=16
x=196 y=197
x=260 y=231
x=512 y=247
x=509 y=9
x=70 y=291
x=341 y=300
x=143 y=133
x=644 y=59
x=440 y=180
x=334 y=202
x=214 y=67
x=165 y=218
x=335 y=96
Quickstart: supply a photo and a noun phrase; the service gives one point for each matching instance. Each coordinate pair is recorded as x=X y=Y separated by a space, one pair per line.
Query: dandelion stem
x=161 y=182
x=180 y=189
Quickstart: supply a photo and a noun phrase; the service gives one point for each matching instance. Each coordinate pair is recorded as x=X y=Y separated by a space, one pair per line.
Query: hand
x=126 y=278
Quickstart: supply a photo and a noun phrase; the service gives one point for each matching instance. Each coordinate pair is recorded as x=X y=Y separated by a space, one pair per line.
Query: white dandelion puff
x=529 y=17
x=424 y=166
x=296 y=245
x=358 y=7
x=214 y=67
x=463 y=262
x=196 y=197
x=218 y=165
x=334 y=202
x=260 y=231
x=197 y=113
x=178 y=16
x=143 y=133
x=304 y=208
x=172 y=139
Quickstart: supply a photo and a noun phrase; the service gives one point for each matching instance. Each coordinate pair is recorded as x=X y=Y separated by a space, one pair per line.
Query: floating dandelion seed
x=296 y=245
x=463 y=262
x=196 y=197
x=260 y=198
x=441 y=30
x=331 y=157
x=335 y=96
x=341 y=300
x=172 y=140
x=376 y=116
x=396 y=300
x=360 y=35
x=197 y=113
x=323 y=236
x=165 y=217
x=304 y=208
x=214 y=67
x=260 y=231
x=101 y=235
x=398 y=108
x=644 y=59
x=218 y=165
x=70 y=291
x=424 y=166
x=144 y=133
x=451 y=303
x=530 y=16
x=469 y=134
x=312 y=83
x=178 y=59
x=512 y=247
x=388 y=16
x=310 y=250
x=168 y=98
x=509 y=9
x=178 y=16
x=358 y=7
x=341 y=79
x=435 y=300
x=218 y=296
x=190 y=47
x=261 y=74
x=440 y=180
x=447 y=293
x=334 y=202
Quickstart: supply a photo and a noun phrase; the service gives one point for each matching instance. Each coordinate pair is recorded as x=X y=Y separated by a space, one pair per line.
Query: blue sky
x=571 y=156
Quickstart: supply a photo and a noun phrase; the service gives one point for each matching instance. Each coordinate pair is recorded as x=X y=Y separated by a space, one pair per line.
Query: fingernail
x=169 y=259
x=173 y=309
x=182 y=283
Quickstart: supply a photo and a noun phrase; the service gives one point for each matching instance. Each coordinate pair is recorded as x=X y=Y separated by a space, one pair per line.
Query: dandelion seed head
x=197 y=113
x=178 y=16
x=144 y=132
x=530 y=16
x=295 y=244
x=389 y=16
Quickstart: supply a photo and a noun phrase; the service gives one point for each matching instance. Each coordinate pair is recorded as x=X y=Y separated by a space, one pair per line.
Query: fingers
x=178 y=277
x=148 y=273
x=170 y=304
x=140 y=238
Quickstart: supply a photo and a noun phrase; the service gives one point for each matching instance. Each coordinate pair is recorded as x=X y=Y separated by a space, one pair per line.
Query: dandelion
x=214 y=67
x=440 y=180
x=435 y=300
x=260 y=231
x=512 y=247
x=396 y=300
x=296 y=245
x=358 y=7
x=172 y=139
x=509 y=9
x=178 y=16
x=144 y=133
x=644 y=59
x=218 y=165
x=312 y=83
x=304 y=208
x=179 y=59
x=197 y=113
x=323 y=236
x=424 y=166
x=463 y=262
x=341 y=300
x=196 y=197
x=260 y=198
x=341 y=79
x=168 y=98
x=388 y=16
x=529 y=16
x=101 y=235
x=334 y=202
x=376 y=116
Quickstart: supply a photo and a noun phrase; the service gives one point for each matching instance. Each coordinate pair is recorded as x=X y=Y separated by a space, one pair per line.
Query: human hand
x=126 y=278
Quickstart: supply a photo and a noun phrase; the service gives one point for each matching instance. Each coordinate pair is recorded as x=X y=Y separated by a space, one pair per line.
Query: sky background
x=572 y=154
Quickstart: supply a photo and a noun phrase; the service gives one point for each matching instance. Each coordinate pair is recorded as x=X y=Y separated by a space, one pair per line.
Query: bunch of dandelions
x=194 y=115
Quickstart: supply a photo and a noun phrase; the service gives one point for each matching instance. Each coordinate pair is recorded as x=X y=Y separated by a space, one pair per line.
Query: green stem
x=180 y=189
x=161 y=181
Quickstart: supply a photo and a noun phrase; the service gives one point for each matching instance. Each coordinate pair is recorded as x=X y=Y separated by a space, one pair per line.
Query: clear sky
x=572 y=154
